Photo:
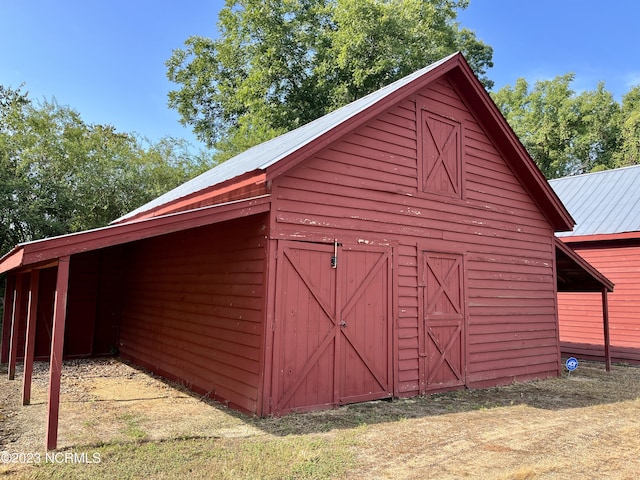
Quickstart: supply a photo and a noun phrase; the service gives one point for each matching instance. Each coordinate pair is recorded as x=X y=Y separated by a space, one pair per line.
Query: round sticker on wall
x=572 y=363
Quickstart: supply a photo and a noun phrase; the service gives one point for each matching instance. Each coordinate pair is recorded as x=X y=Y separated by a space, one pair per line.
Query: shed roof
x=602 y=203
x=575 y=274
x=42 y=252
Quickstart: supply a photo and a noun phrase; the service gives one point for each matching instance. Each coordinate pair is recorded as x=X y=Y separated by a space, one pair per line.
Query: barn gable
x=251 y=171
x=425 y=180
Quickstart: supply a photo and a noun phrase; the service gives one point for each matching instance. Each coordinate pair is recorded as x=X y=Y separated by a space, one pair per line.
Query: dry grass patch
x=586 y=425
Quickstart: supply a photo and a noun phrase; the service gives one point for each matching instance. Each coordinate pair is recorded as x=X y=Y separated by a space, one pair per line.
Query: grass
x=132 y=427
x=295 y=457
x=581 y=426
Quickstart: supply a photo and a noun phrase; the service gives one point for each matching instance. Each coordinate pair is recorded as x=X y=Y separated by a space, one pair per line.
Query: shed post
x=605 y=322
x=57 y=344
x=29 y=344
x=16 y=318
x=6 y=317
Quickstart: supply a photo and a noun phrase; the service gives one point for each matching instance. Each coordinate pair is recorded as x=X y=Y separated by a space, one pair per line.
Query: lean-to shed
x=400 y=245
x=606 y=206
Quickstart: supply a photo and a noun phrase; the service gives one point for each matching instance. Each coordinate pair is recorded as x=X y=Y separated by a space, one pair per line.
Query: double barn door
x=332 y=341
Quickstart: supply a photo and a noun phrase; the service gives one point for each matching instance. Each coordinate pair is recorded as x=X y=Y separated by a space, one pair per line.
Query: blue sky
x=106 y=58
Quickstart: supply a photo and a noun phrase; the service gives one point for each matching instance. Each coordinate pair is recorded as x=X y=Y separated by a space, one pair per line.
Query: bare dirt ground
x=106 y=401
x=582 y=425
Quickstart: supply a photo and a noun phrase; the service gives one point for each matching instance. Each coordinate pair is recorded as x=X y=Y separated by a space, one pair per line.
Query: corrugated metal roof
x=604 y=202
x=266 y=154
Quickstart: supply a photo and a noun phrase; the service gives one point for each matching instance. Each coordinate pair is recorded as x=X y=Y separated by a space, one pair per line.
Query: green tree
x=563 y=132
x=629 y=153
x=59 y=174
x=279 y=64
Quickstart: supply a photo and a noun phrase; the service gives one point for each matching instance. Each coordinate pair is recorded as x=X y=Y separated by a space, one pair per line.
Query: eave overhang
x=30 y=255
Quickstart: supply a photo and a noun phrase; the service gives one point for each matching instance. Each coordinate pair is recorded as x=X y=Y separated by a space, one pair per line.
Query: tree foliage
x=568 y=133
x=59 y=174
x=279 y=64
x=629 y=153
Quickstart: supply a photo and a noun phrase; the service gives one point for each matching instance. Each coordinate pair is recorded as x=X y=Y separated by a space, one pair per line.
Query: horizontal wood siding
x=193 y=308
x=364 y=189
x=580 y=314
x=85 y=306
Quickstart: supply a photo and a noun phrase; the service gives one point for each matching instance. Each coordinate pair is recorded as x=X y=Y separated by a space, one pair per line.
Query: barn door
x=365 y=313
x=443 y=307
x=332 y=340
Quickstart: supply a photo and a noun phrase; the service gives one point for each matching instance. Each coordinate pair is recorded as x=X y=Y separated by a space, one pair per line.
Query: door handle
x=343 y=324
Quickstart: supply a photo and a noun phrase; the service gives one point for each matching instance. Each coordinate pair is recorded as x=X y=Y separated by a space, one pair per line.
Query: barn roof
x=272 y=158
x=602 y=203
x=276 y=156
x=262 y=156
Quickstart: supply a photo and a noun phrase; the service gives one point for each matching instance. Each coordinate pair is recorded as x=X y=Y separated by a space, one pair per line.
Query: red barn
x=401 y=245
x=606 y=206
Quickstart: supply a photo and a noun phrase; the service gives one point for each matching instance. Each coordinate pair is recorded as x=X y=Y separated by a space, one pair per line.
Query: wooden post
x=57 y=344
x=605 y=322
x=16 y=319
x=9 y=288
x=29 y=344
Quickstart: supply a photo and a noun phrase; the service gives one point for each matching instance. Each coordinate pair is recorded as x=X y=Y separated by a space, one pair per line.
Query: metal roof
x=266 y=154
x=606 y=202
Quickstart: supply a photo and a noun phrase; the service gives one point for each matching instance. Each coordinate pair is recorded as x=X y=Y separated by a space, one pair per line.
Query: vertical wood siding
x=193 y=308
x=580 y=314
x=364 y=188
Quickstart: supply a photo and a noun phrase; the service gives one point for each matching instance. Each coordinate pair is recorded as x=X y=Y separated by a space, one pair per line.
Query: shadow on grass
x=589 y=385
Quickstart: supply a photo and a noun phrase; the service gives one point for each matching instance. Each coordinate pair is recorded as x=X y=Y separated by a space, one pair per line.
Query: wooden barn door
x=443 y=307
x=333 y=328
x=364 y=303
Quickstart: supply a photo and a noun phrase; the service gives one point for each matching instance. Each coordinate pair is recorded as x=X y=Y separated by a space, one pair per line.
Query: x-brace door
x=333 y=325
x=443 y=308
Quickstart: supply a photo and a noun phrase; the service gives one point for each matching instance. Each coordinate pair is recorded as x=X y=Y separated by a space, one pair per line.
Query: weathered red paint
x=57 y=345
x=444 y=320
x=29 y=346
x=249 y=185
x=581 y=314
x=17 y=319
x=333 y=324
x=605 y=320
x=52 y=248
x=445 y=277
x=6 y=317
x=365 y=187
x=195 y=313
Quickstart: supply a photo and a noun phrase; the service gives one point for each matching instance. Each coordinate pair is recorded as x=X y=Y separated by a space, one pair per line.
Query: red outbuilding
x=606 y=206
x=401 y=245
